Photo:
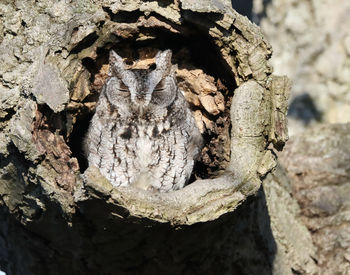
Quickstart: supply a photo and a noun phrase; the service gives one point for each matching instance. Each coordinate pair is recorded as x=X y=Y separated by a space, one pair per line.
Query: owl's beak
x=141 y=103
x=141 y=99
x=137 y=99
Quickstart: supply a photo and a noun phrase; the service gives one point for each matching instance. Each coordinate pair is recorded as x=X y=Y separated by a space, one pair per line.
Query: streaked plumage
x=143 y=132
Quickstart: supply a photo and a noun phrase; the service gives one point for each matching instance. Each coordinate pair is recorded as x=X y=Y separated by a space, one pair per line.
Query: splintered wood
x=210 y=102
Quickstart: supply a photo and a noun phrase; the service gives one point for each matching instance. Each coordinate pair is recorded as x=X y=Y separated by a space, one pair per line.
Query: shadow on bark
x=103 y=244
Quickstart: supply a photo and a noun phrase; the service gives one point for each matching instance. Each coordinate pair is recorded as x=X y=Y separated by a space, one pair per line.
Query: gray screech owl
x=142 y=132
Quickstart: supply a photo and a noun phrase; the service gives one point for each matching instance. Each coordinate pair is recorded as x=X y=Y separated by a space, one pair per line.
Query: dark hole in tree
x=85 y=43
x=202 y=54
x=123 y=16
x=162 y=3
x=76 y=140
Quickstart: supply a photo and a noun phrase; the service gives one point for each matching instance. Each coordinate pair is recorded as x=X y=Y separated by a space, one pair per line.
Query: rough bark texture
x=294 y=250
x=318 y=165
x=307 y=198
x=57 y=220
x=311 y=43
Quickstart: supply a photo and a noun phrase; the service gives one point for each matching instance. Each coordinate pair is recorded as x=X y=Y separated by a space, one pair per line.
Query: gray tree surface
x=311 y=43
x=59 y=216
x=318 y=165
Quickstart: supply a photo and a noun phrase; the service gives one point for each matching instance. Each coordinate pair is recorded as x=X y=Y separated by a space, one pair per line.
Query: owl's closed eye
x=150 y=86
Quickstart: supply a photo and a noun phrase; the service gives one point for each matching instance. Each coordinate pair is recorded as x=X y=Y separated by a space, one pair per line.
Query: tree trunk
x=318 y=165
x=60 y=215
x=304 y=46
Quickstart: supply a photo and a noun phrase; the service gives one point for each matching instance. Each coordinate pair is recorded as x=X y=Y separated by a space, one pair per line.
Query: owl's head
x=142 y=88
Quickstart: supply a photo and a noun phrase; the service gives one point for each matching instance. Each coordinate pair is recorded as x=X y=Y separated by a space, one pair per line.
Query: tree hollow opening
x=203 y=75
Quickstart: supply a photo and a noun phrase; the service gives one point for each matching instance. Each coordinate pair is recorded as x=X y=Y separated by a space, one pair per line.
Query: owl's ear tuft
x=173 y=70
x=116 y=63
x=163 y=61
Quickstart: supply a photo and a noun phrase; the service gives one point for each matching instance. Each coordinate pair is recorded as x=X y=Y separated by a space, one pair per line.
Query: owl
x=143 y=133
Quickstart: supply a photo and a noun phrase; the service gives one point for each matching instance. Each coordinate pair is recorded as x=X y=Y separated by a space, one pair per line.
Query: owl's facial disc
x=156 y=86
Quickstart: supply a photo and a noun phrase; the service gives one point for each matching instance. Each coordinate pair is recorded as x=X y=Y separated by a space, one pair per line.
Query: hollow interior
x=203 y=75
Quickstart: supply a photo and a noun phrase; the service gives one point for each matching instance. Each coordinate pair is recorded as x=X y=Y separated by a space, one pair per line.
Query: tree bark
x=303 y=47
x=318 y=165
x=60 y=216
